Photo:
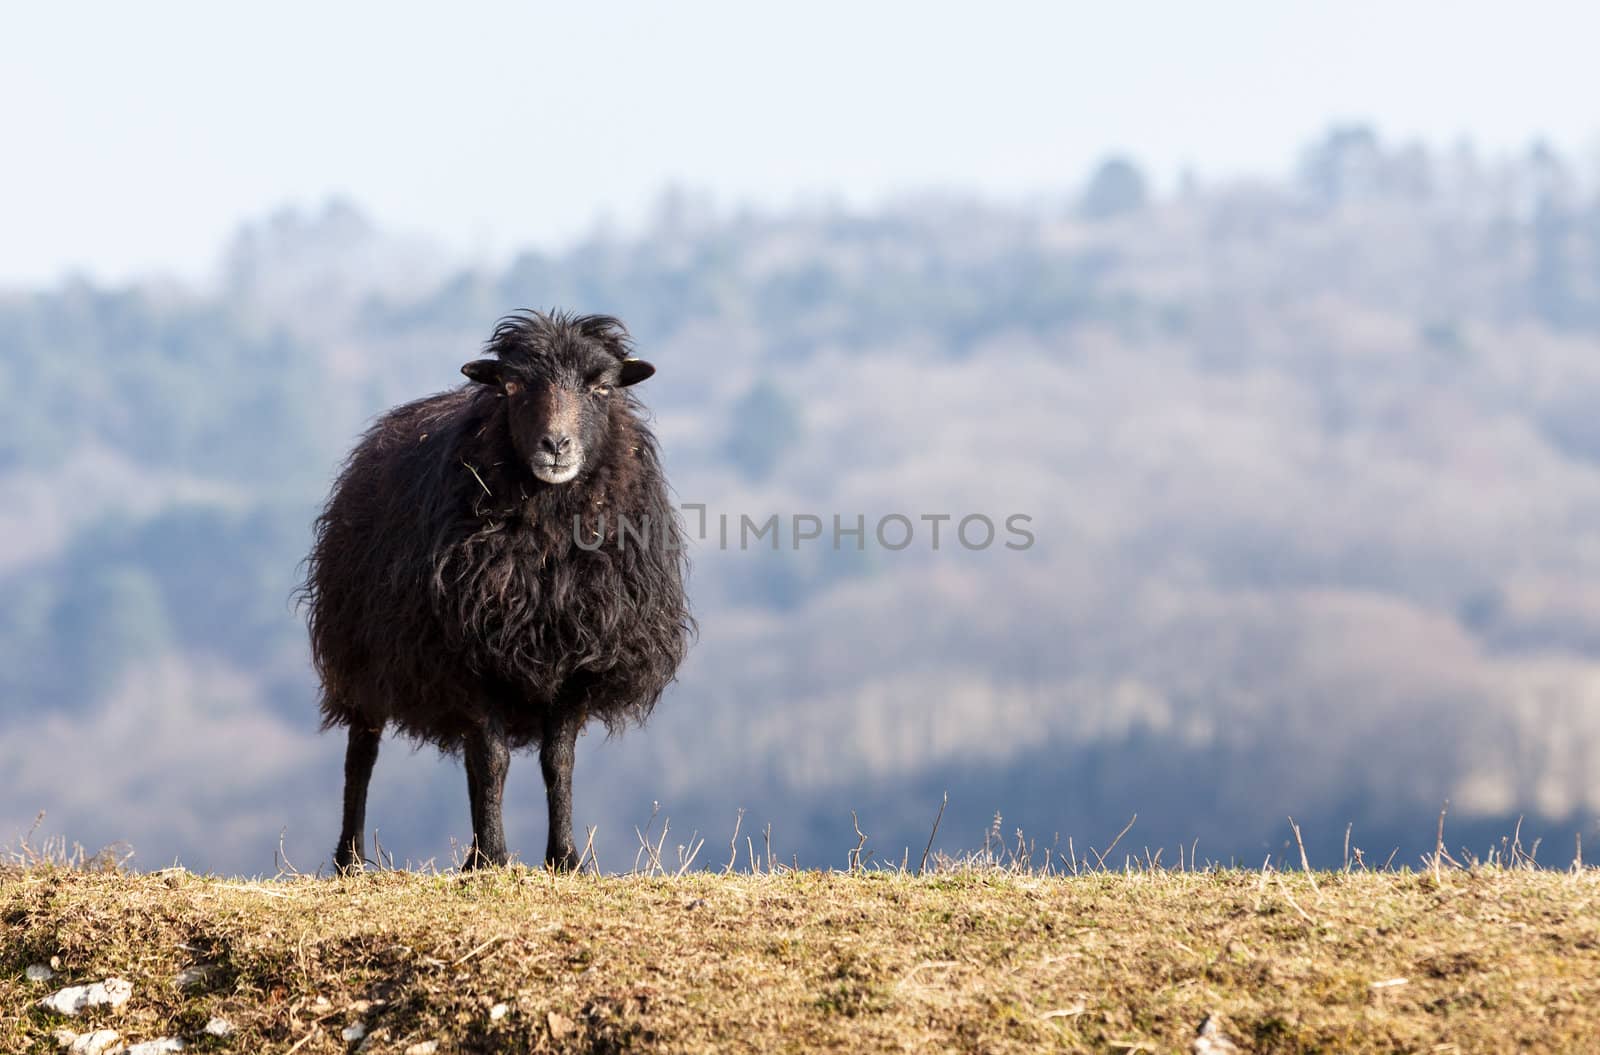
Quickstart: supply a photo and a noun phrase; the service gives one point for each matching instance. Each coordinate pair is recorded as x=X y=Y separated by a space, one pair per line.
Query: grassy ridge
x=521 y=960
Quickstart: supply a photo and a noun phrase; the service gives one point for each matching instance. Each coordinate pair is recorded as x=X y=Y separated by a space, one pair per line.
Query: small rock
x=193 y=976
x=159 y=1046
x=426 y=1047
x=376 y=1037
x=97 y=1043
x=113 y=992
x=560 y=1025
x=498 y=1011
x=354 y=1031
x=219 y=1026
x=38 y=972
x=1210 y=1040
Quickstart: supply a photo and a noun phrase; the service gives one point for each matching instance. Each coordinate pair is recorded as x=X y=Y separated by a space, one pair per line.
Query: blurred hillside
x=1313 y=466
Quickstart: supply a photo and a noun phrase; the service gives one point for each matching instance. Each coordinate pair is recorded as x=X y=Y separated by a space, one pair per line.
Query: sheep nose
x=555 y=445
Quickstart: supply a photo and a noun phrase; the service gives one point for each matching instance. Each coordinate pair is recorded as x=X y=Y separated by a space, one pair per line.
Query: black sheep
x=497 y=565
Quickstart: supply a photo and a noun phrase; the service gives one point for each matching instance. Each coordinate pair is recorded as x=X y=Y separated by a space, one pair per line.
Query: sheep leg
x=556 y=754
x=359 y=757
x=488 y=757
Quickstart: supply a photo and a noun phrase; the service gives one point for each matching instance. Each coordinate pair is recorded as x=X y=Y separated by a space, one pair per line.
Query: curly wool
x=446 y=586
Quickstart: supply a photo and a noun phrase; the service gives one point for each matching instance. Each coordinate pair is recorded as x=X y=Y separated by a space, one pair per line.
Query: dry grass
x=980 y=960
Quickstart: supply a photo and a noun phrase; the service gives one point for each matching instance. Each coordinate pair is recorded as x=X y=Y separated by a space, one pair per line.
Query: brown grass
x=1491 y=959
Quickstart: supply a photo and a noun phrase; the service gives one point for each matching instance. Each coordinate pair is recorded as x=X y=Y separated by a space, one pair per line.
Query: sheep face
x=559 y=378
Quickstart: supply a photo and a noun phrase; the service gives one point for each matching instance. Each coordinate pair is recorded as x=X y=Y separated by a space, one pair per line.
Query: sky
x=138 y=136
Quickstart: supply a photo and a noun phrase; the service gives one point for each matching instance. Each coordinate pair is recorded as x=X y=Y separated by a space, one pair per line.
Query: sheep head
x=560 y=377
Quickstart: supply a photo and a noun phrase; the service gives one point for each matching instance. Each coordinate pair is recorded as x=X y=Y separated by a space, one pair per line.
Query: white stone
x=497 y=1012
x=113 y=992
x=97 y=1043
x=159 y=1046
x=426 y=1047
x=219 y=1026
x=38 y=972
x=354 y=1031
x=191 y=976
x=1210 y=1040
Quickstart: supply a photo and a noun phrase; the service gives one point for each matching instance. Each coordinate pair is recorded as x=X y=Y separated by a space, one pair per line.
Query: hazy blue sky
x=136 y=136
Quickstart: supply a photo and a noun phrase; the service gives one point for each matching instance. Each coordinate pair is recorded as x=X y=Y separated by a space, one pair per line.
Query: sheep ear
x=633 y=371
x=484 y=371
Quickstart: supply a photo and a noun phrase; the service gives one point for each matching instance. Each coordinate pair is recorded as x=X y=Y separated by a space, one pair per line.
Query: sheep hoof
x=479 y=859
x=348 y=863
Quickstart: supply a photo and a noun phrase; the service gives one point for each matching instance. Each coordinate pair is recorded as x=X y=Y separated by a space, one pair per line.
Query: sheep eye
x=512 y=388
x=600 y=390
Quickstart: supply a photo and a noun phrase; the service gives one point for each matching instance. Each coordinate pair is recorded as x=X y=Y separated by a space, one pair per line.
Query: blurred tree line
x=244 y=403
